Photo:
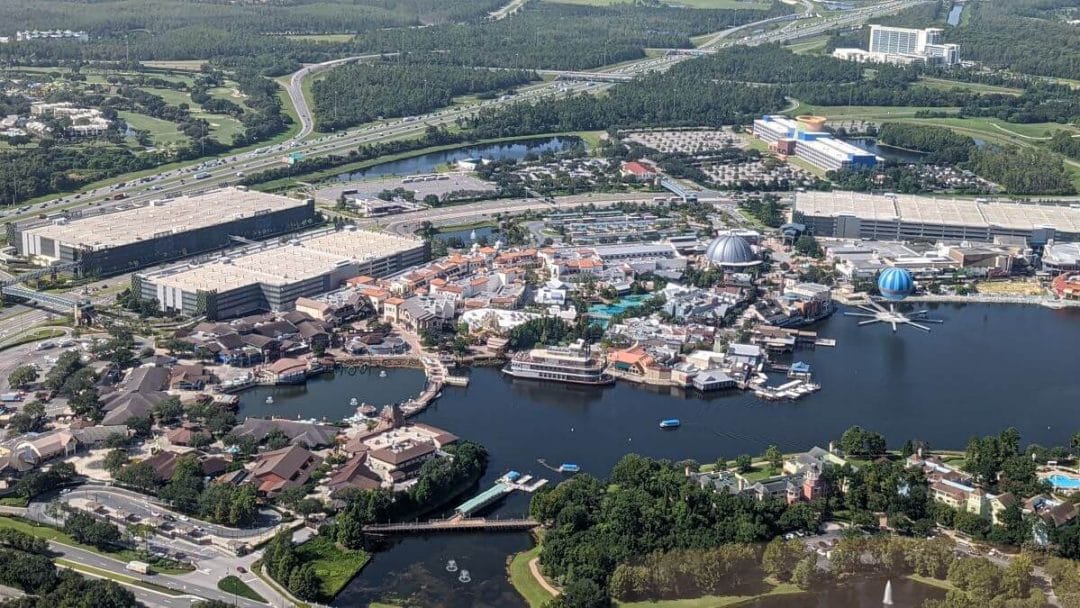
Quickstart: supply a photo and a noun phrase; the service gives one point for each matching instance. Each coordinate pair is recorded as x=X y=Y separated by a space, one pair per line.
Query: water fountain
x=451 y=566
x=464 y=577
x=886 y=600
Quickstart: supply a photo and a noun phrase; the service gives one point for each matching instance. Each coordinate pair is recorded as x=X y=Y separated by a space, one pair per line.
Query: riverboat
x=560 y=364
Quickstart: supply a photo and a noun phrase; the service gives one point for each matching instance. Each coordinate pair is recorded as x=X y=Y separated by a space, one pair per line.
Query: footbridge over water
x=454 y=524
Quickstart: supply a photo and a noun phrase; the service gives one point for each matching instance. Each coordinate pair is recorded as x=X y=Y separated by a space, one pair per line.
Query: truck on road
x=140 y=567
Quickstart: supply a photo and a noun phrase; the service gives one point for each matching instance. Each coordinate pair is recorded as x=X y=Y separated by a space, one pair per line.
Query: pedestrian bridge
x=596 y=76
x=454 y=524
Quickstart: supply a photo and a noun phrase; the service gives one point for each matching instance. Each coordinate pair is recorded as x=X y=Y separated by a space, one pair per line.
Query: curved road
x=295 y=89
x=147 y=506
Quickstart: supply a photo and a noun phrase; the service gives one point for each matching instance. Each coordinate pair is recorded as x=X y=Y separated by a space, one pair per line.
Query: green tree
x=775 y=458
x=22 y=377
x=744 y=463
x=303 y=582
x=115 y=460
x=781 y=558
x=807 y=245
x=805 y=573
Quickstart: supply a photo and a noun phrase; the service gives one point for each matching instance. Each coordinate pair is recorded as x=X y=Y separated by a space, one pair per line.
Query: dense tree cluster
x=282 y=561
x=39 y=482
x=186 y=491
x=646 y=507
x=1022 y=170
x=549 y=331
x=90 y=530
x=163 y=29
x=361 y=92
x=558 y=36
x=941 y=146
x=1012 y=35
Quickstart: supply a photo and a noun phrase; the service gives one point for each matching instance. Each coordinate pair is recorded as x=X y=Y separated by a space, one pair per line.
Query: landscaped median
x=232 y=584
x=123 y=579
x=59 y=536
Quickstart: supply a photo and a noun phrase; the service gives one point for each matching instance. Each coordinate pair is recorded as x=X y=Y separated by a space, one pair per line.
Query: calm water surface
x=426 y=163
x=986 y=368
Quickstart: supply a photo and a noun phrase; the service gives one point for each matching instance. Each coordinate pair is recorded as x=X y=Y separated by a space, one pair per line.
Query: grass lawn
x=717 y=4
x=321 y=37
x=232 y=584
x=716 y=601
x=810 y=45
x=185 y=65
x=162 y=132
x=120 y=578
x=223 y=127
x=942 y=84
x=229 y=92
x=523 y=580
x=933 y=582
x=59 y=536
x=171 y=96
x=879 y=113
x=32 y=336
x=335 y=566
x=758 y=474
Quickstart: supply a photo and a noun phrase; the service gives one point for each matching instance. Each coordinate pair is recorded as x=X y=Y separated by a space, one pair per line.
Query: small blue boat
x=670 y=423
x=568 y=467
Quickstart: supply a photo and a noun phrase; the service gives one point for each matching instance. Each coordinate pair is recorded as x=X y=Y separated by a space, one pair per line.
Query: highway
x=295 y=89
x=229 y=169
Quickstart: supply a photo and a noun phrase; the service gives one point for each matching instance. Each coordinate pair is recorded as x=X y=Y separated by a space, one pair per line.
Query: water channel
x=986 y=368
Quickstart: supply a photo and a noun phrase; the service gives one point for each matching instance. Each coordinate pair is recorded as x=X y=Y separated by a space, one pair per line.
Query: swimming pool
x=1066 y=482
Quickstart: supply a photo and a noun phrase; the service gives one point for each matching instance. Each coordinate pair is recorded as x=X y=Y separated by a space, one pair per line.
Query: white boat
x=269 y=400
x=382 y=373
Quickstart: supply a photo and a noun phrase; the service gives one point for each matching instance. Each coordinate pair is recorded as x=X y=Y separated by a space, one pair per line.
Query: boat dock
x=524 y=483
x=790 y=391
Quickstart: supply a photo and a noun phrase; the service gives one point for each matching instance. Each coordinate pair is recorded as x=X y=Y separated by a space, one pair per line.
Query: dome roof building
x=895 y=284
x=731 y=251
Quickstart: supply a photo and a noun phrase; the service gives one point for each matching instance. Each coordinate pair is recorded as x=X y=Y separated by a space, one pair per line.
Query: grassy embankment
x=59 y=536
x=334 y=565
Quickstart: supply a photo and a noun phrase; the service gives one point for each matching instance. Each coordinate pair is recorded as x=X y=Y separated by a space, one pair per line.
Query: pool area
x=1063 y=481
x=619 y=306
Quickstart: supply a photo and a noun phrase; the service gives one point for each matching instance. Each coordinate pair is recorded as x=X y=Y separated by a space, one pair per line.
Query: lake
x=329 y=395
x=985 y=368
x=899 y=155
x=427 y=163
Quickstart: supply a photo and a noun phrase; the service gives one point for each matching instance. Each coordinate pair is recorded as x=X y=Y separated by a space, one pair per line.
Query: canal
x=985 y=368
x=427 y=163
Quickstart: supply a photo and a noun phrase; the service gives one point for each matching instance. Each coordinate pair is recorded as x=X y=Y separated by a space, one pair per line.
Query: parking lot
x=438 y=184
x=687 y=142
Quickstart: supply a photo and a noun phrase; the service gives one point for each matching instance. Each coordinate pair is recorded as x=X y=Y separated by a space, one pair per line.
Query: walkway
x=455 y=524
x=534 y=567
